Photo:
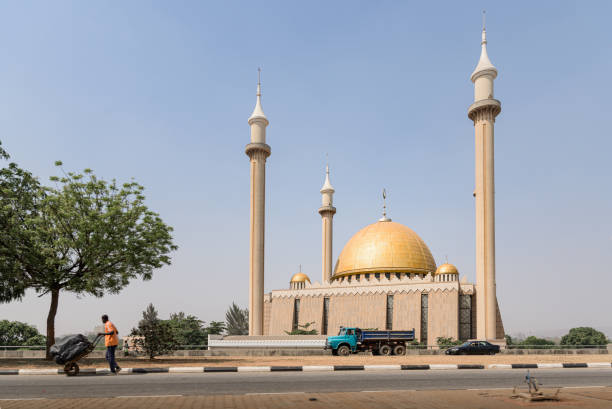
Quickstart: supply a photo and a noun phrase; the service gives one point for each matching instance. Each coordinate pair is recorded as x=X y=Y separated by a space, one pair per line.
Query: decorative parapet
x=389 y=288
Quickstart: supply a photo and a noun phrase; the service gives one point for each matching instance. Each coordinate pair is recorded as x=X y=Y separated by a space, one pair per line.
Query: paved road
x=20 y=387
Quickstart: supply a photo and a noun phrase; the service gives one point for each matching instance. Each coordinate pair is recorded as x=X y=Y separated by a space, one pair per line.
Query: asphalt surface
x=53 y=386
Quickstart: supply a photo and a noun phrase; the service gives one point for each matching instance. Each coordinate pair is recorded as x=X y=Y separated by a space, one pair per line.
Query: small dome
x=299 y=278
x=447 y=269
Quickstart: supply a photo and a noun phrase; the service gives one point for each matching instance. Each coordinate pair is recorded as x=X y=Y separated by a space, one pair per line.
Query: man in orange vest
x=111 y=340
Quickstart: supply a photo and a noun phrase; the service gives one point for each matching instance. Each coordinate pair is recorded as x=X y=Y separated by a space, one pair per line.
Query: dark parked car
x=474 y=348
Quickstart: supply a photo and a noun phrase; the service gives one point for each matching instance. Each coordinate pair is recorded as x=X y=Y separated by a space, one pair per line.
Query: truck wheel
x=334 y=352
x=399 y=350
x=385 y=350
x=344 y=351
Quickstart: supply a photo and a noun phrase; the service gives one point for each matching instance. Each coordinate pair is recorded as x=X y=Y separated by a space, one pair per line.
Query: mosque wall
x=443 y=315
x=281 y=315
x=366 y=311
x=407 y=312
x=311 y=310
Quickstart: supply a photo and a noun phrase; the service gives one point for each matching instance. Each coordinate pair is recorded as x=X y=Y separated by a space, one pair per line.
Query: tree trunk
x=51 y=321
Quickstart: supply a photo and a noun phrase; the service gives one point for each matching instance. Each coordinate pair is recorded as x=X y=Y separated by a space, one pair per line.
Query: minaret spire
x=258 y=112
x=327 y=211
x=484 y=66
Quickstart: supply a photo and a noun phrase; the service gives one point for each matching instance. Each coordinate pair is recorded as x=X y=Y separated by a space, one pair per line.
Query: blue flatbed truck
x=353 y=340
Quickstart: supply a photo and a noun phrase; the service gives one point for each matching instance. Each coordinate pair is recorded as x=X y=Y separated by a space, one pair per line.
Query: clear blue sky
x=161 y=91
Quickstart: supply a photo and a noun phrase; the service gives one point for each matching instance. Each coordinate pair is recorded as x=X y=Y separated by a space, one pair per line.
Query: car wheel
x=399 y=350
x=344 y=351
x=385 y=350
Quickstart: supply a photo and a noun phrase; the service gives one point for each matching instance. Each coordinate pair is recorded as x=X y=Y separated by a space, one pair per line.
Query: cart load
x=70 y=349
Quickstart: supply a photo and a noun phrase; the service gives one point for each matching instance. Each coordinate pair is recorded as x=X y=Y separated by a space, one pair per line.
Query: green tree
x=303 y=329
x=535 y=343
x=584 y=336
x=215 y=328
x=188 y=329
x=84 y=235
x=14 y=333
x=237 y=320
x=444 y=342
x=154 y=336
x=509 y=340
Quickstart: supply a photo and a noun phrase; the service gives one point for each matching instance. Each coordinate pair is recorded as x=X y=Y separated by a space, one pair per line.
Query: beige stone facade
x=365 y=304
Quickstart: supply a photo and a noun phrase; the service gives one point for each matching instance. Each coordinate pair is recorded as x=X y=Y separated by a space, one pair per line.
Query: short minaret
x=483 y=112
x=327 y=211
x=257 y=151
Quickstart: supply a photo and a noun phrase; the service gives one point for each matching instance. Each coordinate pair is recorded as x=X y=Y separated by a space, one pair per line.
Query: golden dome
x=299 y=278
x=447 y=269
x=385 y=247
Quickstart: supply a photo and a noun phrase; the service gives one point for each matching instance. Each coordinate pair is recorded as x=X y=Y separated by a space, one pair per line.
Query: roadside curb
x=319 y=368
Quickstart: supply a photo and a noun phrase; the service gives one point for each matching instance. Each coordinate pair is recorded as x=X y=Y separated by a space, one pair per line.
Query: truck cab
x=345 y=342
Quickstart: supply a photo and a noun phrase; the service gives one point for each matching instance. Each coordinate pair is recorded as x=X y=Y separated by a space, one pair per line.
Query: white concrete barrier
x=599 y=365
x=38 y=371
x=442 y=366
x=254 y=369
x=544 y=366
x=382 y=367
x=186 y=369
x=315 y=368
x=500 y=366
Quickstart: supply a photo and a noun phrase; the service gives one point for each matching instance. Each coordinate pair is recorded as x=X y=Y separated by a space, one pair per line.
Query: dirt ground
x=591 y=398
x=313 y=360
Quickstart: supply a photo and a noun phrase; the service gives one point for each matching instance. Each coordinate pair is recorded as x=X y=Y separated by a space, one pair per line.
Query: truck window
x=349 y=332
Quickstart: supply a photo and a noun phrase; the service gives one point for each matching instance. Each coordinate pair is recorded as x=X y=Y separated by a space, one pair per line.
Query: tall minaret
x=483 y=112
x=257 y=151
x=327 y=211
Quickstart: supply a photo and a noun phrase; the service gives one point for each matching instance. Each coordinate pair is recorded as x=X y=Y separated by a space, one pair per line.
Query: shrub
x=584 y=336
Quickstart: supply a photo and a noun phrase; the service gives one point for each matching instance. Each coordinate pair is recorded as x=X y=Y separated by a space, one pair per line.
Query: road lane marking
x=148 y=396
x=391 y=390
x=274 y=393
x=24 y=399
x=585 y=387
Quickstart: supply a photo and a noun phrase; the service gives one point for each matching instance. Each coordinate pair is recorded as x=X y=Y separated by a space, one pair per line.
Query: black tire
x=344 y=350
x=385 y=350
x=399 y=350
x=71 y=369
x=334 y=352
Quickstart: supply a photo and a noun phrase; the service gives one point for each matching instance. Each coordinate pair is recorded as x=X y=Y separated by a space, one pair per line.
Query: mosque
x=385 y=276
